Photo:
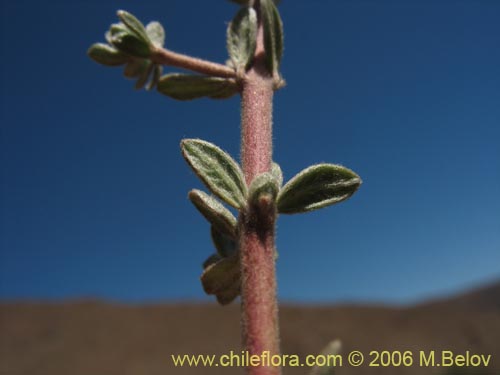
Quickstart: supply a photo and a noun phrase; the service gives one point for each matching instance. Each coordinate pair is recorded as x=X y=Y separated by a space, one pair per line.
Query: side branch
x=166 y=57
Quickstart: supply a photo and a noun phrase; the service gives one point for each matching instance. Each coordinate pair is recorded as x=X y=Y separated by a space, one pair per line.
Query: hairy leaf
x=130 y=44
x=220 y=173
x=218 y=215
x=277 y=173
x=273 y=34
x=264 y=185
x=316 y=187
x=156 y=33
x=155 y=78
x=214 y=258
x=188 y=87
x=226 y=246
x=143 y=78
x=135 y=68
x=226 y=296
x=222 y=277
x=134 y=25
x=242 y=37
x=106 y=55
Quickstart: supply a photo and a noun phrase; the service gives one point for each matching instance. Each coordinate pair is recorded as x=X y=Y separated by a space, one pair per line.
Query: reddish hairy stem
x=166 y=57
x=258 y=285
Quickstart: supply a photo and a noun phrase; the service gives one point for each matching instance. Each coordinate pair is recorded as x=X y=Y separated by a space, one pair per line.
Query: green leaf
x=277 y=173
x=144 y=76
x=135 y=68
x=242 y=37
x=222 y=278
x=226 y=246
x=156 y=33
x=106 y=55
x=188 y=87
x=156 y=77
x=214 y=258
x=316 y=187
x=226 y=296
x=218 y=215
x=134 y=25
x=264 y=186
x=130 y=44
x=273 y=35
x=220 y=173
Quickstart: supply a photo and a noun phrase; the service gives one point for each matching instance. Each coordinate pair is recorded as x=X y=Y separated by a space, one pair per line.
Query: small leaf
x=242 y=37
x=130 y=44
x=222 y=275
x=134 y=25
x=144 y=76
x=188 y=87
x=264 y=185
x=135 y=68
x=220 y=173
x=277 y=173
x=228 y=295
x=226 y=246
x=273 y=35
x=218 y=215
x=214 y=258
x=156 y=34
x=106 y=55
x=316 y=187
x=156 y=77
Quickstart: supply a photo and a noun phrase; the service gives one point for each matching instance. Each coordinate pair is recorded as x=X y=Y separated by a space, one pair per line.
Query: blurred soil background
x=101 y=338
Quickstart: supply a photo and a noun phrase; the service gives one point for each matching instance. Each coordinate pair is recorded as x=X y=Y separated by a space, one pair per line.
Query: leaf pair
x=130 y=44
x=223 y=176
x=242 y=35
x=221 y=274
x=221 y=271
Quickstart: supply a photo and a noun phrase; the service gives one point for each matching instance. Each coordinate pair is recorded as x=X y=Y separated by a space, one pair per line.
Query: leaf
x=106 y=55
x=226 y=296
x=156 y=77
x=156 y=34
x=218 y=215
x=214 y=258
x=242 y=37
x=264 y=185
x=144 y=76
x=226 y=246
x=277 y=173
x=273 y=35
x=221 y=275
x=134 y=25
x=135 y=68
x=316 y=187
x=130 y=44
x=188 y=87
x=218 y=171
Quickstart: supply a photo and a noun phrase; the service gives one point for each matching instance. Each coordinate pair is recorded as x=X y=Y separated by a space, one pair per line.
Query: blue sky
x=406 y=93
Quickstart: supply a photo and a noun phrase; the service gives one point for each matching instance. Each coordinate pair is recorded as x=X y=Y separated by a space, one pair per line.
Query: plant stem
x=257 y=251
x=167 y=57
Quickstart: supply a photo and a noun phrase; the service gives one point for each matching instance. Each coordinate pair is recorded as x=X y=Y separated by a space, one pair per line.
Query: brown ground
x=96 y=338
